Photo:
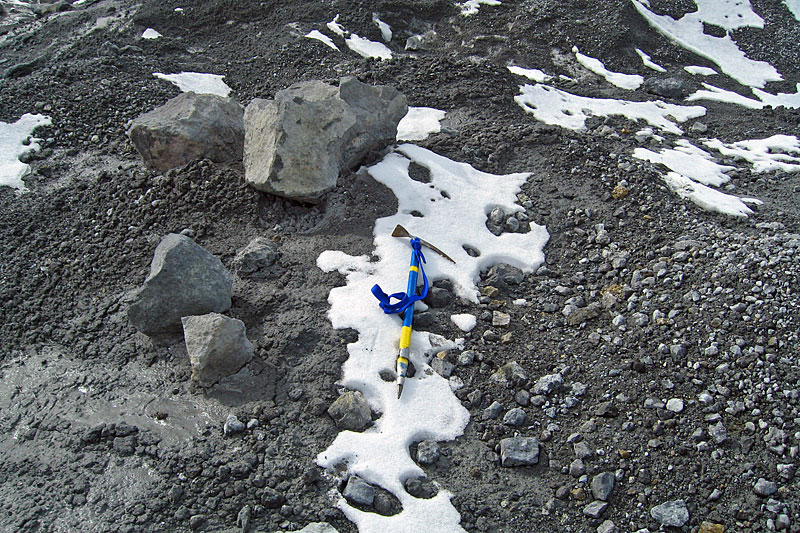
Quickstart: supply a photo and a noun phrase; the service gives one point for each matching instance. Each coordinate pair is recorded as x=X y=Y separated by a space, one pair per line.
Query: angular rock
x=254 y=260
x=667 y=87
x=316 y=527
x=595 y=509
x=442 y=367
x=188 y=127
x=185 y=279
x=511 y=374
x=765 y=487
x=503 y=275
x=217 y=346
x=519 y=451
x=548 y=384
x=232 y=425
x=296 y=145
x=359 y=491
x=602 y=486
x=607 y=527
x=350 y=411
x=428 y=452
x=671 y=514
x=515 y=417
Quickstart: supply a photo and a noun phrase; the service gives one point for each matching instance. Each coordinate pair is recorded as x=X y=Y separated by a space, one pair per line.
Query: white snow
x=708 y=198
x=197 y=82
x=150 y=33
x=690 y=161
x=336 y=28
x=318 y=35
x=366 y=48
x=779 y=152
x=723 y=51
x=454 y=206
x=623 y=81
x=464 y=321
x=790 y=100
x=554 y=106
x=386 y=30
x=648 y=63
x=700 y=71
x=470 y=7
x=418 y=123
x=717 y=94
x=12 y=137
x=533 y=74
x=794 y=7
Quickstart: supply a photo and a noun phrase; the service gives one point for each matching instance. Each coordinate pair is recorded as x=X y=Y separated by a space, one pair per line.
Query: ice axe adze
x=406 y=300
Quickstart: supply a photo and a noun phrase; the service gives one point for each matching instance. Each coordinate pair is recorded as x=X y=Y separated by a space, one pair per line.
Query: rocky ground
x=658 y=344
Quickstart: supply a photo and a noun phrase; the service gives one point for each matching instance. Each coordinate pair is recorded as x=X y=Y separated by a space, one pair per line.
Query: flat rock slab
x=185 y=280
x=188 y=127
x=217 y=346
x=519 y=451
x=296 y=145
x=671 y=514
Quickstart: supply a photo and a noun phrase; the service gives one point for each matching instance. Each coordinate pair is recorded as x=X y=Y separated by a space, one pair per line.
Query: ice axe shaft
x=400 y=231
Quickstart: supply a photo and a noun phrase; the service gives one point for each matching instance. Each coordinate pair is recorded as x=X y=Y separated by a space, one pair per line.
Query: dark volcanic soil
x=101 y=430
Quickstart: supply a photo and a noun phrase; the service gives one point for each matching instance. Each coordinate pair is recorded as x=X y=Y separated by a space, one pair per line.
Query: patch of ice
x=554 y=106
x=794 y=7
x=717 y=94
x=533 y=74
x=520 y=301
x=179 y=10
x=772 y=153
x=197 y=82
x=648 y=63
x=12 y=137
x=723 y=51
x=464 y=321
x=337 y=28
x=418 y=123
x=454 y=206
x=700 y=71
x=386 y=30
x=708 y=198
x=150 y=33
x=690 y=161
x=318 y=35
x=366 y=48
x=789 y=100
x=470 y=7
x=623 y=81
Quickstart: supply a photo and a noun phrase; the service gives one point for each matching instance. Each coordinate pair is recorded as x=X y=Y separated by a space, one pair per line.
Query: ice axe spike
x=400 y=231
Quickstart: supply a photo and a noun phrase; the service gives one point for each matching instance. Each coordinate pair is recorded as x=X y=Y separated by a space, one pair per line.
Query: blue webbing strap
x=405 y=300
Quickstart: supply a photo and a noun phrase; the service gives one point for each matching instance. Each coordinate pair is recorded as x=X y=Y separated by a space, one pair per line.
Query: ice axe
x=406 y=300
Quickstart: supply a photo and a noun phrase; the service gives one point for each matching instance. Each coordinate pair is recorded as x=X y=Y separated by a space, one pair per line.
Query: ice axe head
x=400 y=231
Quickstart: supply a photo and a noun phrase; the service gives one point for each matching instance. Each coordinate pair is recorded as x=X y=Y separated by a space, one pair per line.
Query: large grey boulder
x=217 y=346
x=188 y=127
x=185 y=279
x=296 y=145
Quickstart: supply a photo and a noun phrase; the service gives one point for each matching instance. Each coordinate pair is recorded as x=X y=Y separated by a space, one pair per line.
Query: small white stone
x=675 y=405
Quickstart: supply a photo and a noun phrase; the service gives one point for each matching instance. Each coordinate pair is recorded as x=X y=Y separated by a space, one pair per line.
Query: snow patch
x=788 y=100
x=150 y=33
x=12 y=137
x=560 y=108
x=723 y=51
x=470 y=7
x=690 y=161
x=337 y=28
x=366 y=48
x=772 y=153
x=794 y=7
x=419 y=122
x=318 y=35
x=197 y=82
x=717 y=94
x=699 y=71
x=464 y=321
x=648 y=63
x=707 y=198
x=623 y=81
x=386 y=30
x=533 y=74
x=454 y=206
